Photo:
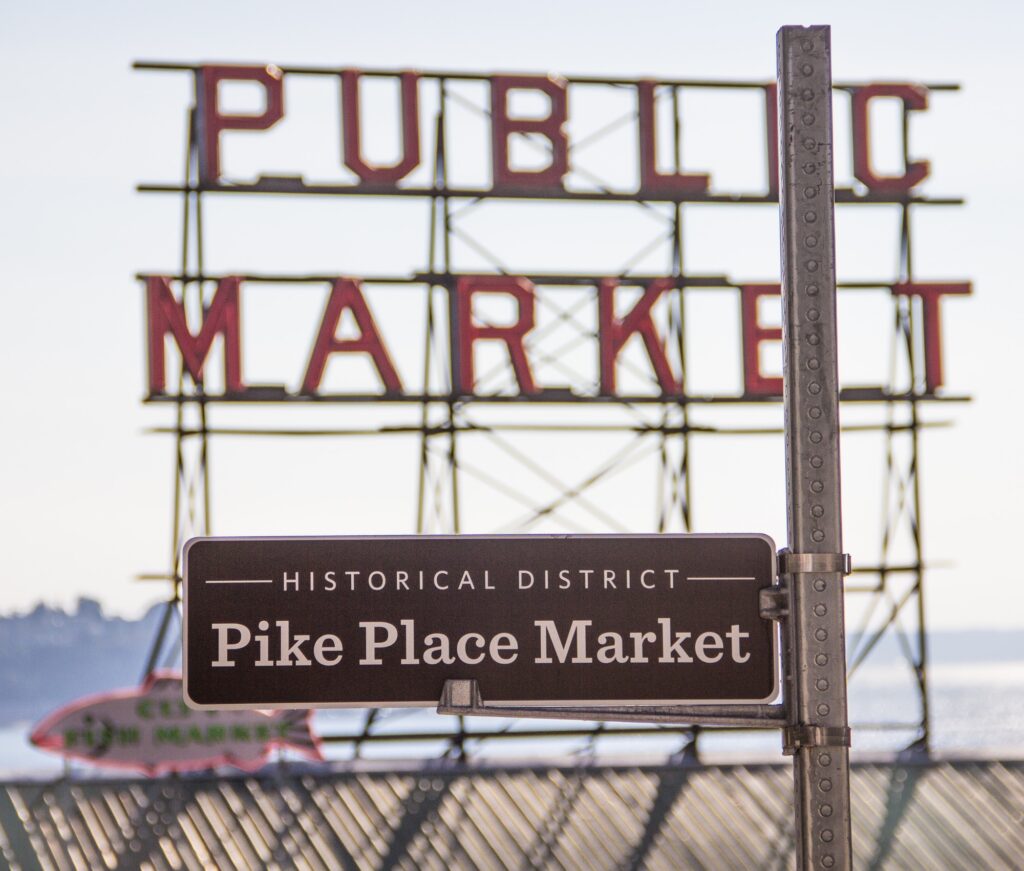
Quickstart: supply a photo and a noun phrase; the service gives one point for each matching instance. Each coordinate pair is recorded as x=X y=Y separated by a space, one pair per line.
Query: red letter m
x=165 y=315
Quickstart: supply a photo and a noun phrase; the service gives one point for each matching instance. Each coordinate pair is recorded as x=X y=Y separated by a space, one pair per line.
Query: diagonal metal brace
x=462 y=698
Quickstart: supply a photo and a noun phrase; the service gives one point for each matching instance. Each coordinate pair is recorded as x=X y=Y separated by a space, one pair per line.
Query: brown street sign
x=542 y=620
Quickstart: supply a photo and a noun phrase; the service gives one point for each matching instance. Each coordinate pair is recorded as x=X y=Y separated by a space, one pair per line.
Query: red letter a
x=345 y=294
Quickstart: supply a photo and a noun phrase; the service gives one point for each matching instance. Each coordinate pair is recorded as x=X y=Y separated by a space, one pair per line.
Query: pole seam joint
x=814 y=563
x=795 y=737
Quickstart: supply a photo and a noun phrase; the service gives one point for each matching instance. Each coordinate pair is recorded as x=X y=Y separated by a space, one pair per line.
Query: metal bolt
x=813 y=314
x=827 y=861
x=823 y=710
x=811 y=241
x=810 y=191
x=825 y=810
x=817 y=511
x=825 y=785
x=810 y=144
x=822 y=684
x=816 y=462
x=810 y=218
x=821 y=635
x=826 y=835
x=818 y=535
x=810 y=168
x=821 y=659
x=815 y=437
x=814 y=388
x=814 y=412
x=812 y=289
x=808 y=119
x=806 y=69
x=819 y=586
x=820 y=610
x=825 y=759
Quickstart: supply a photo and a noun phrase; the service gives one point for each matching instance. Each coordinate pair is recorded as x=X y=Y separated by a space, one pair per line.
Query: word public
x=507 y=178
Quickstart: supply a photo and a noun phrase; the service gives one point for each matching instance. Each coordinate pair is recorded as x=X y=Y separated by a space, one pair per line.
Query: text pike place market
x=576 y=642
x=388 y=620
x=622 y=316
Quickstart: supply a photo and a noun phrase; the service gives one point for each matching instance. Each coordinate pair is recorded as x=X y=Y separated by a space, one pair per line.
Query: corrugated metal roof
x=908 y=814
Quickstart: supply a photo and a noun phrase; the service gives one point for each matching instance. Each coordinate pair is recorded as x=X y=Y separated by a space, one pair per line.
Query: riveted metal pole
x=818 y=732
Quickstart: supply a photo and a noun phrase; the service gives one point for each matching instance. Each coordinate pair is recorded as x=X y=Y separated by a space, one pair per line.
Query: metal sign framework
x=896 y=587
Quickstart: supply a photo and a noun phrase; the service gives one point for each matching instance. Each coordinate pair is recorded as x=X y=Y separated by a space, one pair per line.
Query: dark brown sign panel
x=382 y=621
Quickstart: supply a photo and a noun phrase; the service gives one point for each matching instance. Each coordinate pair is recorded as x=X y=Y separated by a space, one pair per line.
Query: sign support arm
x=462 y=697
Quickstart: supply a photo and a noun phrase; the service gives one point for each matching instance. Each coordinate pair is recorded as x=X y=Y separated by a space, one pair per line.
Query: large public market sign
x=623 y=310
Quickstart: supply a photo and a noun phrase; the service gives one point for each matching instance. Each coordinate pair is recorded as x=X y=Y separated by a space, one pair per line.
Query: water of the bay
x=976 y=708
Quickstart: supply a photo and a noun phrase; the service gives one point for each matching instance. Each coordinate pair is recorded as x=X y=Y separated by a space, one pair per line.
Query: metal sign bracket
x=795 y=737
x=774 y=603
x=462 y=698
x=809 y=563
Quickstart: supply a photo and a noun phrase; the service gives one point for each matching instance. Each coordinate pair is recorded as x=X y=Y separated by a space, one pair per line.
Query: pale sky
x=87 y=493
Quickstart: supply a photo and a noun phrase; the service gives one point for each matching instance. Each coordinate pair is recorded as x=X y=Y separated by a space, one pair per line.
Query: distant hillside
x=49 y=657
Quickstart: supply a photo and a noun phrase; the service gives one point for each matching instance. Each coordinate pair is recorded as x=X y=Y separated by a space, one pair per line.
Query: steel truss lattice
x=660 y=427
